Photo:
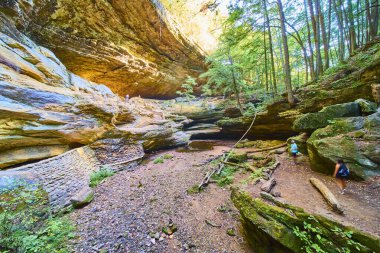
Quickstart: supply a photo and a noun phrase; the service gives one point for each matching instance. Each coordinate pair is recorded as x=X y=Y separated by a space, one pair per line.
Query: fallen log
x=266 y=149
x=327 y=194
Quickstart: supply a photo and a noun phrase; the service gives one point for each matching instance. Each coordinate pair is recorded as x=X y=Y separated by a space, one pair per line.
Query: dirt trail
x=361 y=202
x=132 y=204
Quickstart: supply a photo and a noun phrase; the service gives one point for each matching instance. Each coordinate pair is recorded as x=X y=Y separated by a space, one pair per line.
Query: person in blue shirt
x=294 y=151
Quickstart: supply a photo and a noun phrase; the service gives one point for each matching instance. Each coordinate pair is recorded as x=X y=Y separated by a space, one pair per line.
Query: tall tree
x=311 y=58
x=341 y=47
x=267 y=22
x=317 y=45
x=288 y=80
x=351 y=27
x=324 y=35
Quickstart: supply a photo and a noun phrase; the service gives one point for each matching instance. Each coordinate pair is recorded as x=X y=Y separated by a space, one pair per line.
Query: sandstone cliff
x=134 y=47
x=45 y=110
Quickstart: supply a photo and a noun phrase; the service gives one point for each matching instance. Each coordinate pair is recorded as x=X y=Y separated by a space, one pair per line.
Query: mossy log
x=327 y=194
x=267 y=149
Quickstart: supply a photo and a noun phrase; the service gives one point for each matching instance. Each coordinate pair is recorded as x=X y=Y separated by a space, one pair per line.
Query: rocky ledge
x=134 y=47
x=275 y=226
x=45 y=110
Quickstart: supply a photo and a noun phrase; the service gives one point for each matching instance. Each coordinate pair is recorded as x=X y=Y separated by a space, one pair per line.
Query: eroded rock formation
x=45 y=110
x=134 y=47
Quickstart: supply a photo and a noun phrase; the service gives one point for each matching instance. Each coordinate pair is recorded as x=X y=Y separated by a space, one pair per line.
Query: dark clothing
x=343 y=172
x=294 y=154
x=342 y=177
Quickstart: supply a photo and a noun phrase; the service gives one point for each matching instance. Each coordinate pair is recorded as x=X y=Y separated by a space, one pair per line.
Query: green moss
x=272 y=228
x=237 y=157
x=194 y=189
x=158 y=160
x=231 y=232
x=226 y=176
x=99 y=176
x=168 y=156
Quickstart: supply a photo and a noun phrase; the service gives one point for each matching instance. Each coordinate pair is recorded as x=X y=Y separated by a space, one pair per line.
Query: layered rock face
x=45 y=110
x=134 y=47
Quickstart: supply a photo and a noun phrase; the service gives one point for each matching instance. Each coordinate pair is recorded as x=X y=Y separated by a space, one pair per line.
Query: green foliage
x=162 y=159
x=26 y=223
x=187 y=88
x=314 y=240
x=168 y=156
x=226 y=176
x=158 y=160
x=99 y=176
x=194 y=189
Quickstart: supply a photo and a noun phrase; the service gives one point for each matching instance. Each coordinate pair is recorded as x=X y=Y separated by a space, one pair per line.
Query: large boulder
x=355 y=140
x=312 y=121
x=280 y=227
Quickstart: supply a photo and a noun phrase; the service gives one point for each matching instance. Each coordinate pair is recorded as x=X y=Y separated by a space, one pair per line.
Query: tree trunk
x=340 y=32
x=311 y=58
x=315 y=25
x=270 y=47
x=351 y=27
x=326 y=193
x=265 y=63
x=324 y=37
x=288 y=80
x=375 y=17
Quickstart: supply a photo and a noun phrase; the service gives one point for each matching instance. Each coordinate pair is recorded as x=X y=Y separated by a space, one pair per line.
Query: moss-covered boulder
x=355 y=140
x=312 y=121
x=83 y=197
x=238 y=157
x=280 y=227
x=366 y=107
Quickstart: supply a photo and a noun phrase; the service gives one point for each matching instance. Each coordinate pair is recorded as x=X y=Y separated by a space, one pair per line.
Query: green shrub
x=194 y=189
x=226 y=176
x=168 y=156
x=26 y=223
x=158 y=160
x=98 y=176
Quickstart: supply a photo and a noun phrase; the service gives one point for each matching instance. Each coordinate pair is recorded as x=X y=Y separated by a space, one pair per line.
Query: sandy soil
x=131 y=205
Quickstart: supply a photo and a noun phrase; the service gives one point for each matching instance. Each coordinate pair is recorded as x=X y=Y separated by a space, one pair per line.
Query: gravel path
x=132 y=206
